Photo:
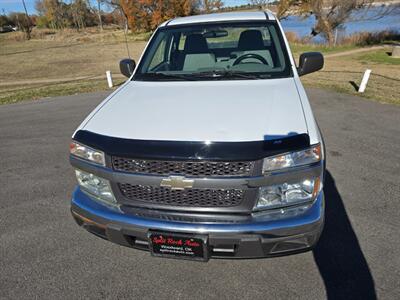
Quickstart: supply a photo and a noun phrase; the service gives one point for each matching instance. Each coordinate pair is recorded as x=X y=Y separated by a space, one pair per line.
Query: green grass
x=300 y=48
x=34 y=92
x=344 y=73
x=379 y=57
x=372 y=92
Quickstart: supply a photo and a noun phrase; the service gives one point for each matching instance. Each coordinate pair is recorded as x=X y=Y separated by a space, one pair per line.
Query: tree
x=209 y=6
x=99 y=14
x=285 y=6
x=146 y=15
x=57 y=14
x=24 y=24
x=329 y=14
x=83 y=14
x=42 y=22
x=53 y=11
x=131 y=10
x=116 y=5
x=27 y=25
x=5 y=21
x=261 y=4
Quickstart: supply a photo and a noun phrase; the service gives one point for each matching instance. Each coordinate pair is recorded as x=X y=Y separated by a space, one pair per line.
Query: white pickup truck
x=209 y=149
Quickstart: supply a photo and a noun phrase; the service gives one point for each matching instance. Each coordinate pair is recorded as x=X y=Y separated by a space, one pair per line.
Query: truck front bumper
x=274 y=233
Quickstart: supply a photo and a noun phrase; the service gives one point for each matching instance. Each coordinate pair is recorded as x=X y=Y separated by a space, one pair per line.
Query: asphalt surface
x=44 y=254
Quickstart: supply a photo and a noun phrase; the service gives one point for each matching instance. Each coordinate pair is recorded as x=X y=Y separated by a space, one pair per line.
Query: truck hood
x=220 y=111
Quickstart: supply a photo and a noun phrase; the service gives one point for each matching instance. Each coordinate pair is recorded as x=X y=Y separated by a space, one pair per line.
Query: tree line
x=137 y=15
x=146 y=15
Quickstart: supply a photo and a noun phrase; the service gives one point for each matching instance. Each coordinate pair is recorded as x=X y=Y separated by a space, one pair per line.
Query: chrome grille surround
x=189 y=197
x=184 y=168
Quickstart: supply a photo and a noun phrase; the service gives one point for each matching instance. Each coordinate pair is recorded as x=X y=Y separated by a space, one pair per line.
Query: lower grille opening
x=189 y=197
x=185 y=217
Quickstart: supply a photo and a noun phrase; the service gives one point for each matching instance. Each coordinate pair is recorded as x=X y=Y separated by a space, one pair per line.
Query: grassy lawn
x=297 y=49
x=48 y=59
x=343 y=73
x=27 y=65
x=62 y=56
x=378 y=57
x=39 y=91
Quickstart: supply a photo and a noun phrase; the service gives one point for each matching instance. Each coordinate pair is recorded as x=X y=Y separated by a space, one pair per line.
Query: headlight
x=293 y=159
x=288 y=194
x=87 y=153
x=96 y=186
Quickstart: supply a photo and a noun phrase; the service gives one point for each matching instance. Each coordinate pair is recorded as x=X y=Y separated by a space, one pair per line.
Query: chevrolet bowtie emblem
x=177 y=183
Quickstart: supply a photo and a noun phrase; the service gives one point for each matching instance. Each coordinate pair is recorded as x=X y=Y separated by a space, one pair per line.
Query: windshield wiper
x=215 y=74
x=231 y=74
x=162 y=75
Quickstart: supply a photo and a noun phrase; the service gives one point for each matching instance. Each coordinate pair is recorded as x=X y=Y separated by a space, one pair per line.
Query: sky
x=7 y=6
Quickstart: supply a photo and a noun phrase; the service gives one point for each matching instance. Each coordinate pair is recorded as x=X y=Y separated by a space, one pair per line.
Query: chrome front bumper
x=272 y=233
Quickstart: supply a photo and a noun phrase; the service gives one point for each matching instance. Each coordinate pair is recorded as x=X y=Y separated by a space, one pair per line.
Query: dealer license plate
x=178 y=245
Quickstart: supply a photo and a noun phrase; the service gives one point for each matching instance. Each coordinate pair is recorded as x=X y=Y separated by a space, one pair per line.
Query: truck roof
x=222 y=17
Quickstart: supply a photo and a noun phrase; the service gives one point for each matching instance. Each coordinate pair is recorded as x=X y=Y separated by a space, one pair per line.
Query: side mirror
x=310 y=62
x=127 y=66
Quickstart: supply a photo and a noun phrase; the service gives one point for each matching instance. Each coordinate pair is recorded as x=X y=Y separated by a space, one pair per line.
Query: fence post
x=364 y=81
x=109 y=79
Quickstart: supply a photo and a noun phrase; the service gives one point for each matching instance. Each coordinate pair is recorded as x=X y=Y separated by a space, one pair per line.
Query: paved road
x=44 y=254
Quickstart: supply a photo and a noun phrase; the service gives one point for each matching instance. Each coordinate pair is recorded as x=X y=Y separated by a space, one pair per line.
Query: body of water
x=302 y=27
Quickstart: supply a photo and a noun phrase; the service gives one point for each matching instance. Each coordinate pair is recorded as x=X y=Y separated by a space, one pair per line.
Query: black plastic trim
x=181 y=150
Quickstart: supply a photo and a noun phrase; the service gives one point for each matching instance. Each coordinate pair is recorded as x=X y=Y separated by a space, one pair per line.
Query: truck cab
x=209 y=149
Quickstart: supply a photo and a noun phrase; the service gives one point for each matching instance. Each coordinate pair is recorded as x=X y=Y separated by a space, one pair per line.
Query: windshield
x=215 y=51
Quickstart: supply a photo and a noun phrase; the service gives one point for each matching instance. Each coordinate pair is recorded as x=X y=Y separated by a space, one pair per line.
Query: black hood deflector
x=181 y=150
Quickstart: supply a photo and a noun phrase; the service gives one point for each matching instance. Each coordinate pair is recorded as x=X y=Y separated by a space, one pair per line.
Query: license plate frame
x=178 y=245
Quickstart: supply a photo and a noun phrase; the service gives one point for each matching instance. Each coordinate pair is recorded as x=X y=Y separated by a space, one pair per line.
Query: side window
x=159 y=54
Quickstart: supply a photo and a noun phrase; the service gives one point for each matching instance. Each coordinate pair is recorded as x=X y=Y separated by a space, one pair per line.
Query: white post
x=364 y=81
x=109 y=79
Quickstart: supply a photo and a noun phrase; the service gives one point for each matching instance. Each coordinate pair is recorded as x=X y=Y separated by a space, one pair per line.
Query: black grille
x=185 y=168
x=189 y=197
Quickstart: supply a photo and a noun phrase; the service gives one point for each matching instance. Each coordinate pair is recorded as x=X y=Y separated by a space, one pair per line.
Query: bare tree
x=116 y=4
x=285 y=7
x=27 y=25
x=330 y=14
x=209 y=6
x=99 y=14
x=261 y=4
